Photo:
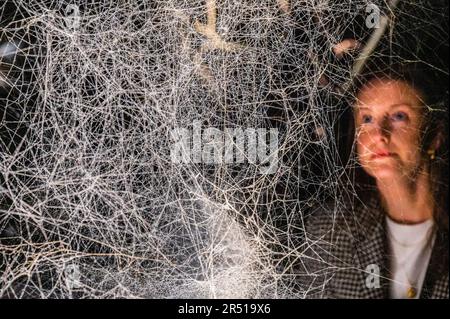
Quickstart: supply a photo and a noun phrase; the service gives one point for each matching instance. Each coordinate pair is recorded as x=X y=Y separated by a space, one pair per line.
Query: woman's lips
x=381 y=154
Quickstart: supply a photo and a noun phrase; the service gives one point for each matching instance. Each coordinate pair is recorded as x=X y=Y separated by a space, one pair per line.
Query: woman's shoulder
x=345 y=217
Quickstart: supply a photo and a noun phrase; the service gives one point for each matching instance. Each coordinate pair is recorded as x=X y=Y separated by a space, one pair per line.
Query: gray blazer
x=347 y=255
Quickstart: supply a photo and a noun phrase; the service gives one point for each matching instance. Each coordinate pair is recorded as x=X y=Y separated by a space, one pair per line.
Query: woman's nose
x=382 y=130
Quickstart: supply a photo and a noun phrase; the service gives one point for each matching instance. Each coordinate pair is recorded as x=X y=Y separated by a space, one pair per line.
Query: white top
x=410 y=252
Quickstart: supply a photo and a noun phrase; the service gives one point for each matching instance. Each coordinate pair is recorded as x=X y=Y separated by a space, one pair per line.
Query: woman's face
x=388 y=116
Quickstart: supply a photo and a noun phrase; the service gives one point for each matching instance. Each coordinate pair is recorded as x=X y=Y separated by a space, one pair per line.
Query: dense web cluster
x=92 y=204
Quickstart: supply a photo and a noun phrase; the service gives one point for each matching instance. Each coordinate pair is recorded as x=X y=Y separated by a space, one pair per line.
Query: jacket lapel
x=371 y=253
x=436 y=280
x=372 y=249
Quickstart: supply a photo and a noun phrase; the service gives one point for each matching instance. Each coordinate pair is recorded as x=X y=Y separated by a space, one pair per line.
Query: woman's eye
x=400 y=116
x=366 y=119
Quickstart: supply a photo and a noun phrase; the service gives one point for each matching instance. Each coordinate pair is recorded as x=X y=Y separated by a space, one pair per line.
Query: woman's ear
x=437 y=141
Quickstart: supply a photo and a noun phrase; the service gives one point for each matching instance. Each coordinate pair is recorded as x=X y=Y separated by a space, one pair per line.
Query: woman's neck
x=406 y=201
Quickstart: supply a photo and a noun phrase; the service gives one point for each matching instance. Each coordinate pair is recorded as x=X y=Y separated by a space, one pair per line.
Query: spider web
x=91 y=204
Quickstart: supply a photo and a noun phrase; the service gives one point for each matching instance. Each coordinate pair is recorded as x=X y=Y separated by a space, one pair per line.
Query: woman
x=394 y=242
